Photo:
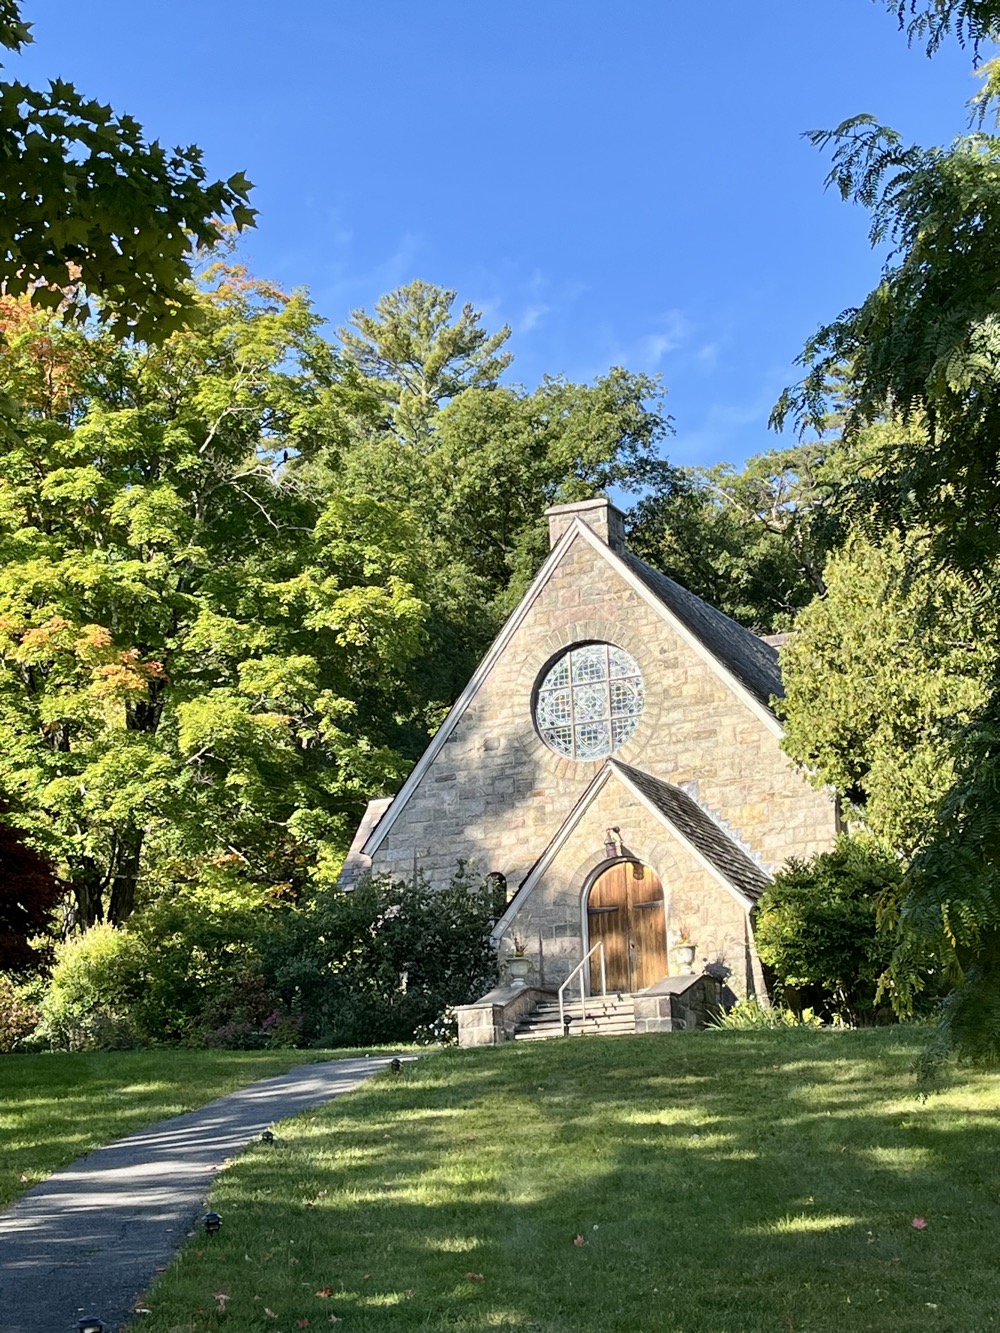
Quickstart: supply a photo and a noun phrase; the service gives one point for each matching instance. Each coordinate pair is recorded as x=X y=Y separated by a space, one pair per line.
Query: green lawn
x=54 y=1108
x=728 y=1182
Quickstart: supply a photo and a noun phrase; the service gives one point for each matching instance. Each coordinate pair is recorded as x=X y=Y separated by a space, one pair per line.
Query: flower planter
x=519 y=967
x=685 y=956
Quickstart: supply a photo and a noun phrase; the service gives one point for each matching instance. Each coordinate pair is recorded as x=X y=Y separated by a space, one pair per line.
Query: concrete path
x=89 y=1239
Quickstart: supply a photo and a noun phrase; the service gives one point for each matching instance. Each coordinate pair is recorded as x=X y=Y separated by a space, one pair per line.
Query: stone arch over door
x=624 y=908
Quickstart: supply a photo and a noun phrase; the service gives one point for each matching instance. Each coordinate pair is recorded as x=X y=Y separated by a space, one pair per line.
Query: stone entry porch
x=510 y=1013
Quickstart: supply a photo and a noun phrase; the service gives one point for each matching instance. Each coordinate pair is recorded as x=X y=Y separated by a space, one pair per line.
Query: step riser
x=555 y=1030
x=597 y=1016
x=553 y=1036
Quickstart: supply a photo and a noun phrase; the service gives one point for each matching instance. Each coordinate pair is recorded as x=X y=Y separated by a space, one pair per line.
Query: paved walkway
x=89 y=1239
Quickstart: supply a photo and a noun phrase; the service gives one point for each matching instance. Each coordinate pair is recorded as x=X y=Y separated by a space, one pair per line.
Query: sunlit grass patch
x=694 y=1183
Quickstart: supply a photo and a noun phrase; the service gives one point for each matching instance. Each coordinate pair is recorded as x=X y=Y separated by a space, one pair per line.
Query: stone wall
x=495 y=794
x=550 y=917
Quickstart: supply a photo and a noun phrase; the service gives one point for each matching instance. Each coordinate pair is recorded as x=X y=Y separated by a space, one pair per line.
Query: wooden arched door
x=625 y=910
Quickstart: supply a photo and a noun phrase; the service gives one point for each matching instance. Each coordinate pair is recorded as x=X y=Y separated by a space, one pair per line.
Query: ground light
x=92 y=1325
x=267 y=1136
x=395 y=1064
x=212 y=1223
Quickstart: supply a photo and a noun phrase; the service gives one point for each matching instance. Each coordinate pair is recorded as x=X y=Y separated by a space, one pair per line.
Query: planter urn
x=685 y=956
x=519 y=966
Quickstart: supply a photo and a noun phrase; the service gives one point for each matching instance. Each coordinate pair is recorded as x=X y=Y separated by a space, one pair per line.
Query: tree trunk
x=125 y=879
x=87 y=896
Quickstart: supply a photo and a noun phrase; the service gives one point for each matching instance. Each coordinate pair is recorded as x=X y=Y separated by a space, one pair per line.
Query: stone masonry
x=496 y=796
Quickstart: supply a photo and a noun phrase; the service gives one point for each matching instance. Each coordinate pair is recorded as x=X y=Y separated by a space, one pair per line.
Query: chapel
x=616 y=763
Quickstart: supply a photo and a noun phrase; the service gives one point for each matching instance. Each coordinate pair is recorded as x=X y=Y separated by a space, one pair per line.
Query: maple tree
x=189 y=639
x=92 y=209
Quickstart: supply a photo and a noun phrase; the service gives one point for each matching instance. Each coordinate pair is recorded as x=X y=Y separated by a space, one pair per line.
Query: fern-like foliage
x=971 y=22
x=925 y=344
x=949 y=914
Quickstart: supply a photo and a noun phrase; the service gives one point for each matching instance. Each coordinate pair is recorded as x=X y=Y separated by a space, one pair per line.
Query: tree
x=925 y=344
x=93 y=209
x=972 y=21
x=425 y=426
x=752 y=541
x=881 y=674
x=949 y=915
x=194 y=650
x=415 y=357
x=29 y=894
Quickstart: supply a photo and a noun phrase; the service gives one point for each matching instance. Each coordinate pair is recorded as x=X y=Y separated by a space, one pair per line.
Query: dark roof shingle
x=701 y=830
x=753 y=662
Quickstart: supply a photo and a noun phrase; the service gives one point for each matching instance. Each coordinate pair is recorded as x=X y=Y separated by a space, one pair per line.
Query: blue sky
x=621 y=183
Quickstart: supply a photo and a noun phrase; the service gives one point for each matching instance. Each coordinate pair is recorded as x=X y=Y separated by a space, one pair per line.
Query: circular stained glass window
x=589 y=701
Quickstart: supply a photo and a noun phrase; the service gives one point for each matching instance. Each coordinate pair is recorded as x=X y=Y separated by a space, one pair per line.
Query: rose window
x=589 y=702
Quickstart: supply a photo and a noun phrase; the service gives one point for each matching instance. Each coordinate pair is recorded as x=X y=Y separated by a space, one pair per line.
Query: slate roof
x=701 y=830
x=753 y=662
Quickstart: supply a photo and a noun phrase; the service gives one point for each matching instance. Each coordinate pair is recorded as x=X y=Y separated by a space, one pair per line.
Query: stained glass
x=559 y=675
x=593 y=740
x=554 y=706
x=621 y=730
x=559 y=738
x=589 y=701
x=626 y=697
x=620 y=664
x=590 y=663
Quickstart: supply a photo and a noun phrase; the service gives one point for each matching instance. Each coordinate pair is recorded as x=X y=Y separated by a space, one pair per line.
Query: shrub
x=442 y=1031
x=378 y=963
x=18 y=1016
x=817 y=927
x=96 y=982
x=224 y=963
x=751 y=1014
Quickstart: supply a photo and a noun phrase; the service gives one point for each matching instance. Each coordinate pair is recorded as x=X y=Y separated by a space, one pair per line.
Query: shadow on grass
x=56 y=1106
x=728 y=1182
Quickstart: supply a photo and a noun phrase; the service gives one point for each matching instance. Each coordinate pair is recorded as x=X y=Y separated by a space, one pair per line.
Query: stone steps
x=599 y=1015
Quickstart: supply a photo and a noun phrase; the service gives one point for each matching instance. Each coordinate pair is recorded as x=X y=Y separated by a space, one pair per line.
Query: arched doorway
x=625 y=911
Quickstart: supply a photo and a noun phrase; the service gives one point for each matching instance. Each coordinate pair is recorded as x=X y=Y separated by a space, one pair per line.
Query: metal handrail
x=599 y=946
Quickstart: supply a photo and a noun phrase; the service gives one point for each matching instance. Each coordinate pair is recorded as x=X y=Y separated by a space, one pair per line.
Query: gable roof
x=752 y=660
x=747 y=665
x=356 y=864
x=693 y=826
x=700 y=830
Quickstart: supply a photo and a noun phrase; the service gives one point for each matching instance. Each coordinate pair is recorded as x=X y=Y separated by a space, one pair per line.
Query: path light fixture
x=91 y=1325
x=395 y=1064
x=267 y=1136
x=212 y=1223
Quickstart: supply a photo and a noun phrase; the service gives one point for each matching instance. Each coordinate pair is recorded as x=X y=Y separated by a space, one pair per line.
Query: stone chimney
x=600 y=516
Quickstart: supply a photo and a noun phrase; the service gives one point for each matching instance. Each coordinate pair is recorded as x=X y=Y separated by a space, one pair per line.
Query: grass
x=54 y=1108
x=731 y=1182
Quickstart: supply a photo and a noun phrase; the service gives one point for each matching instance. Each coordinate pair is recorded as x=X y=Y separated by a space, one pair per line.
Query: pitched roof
x=356 y=864
x=703 y=833
x=752 y=661
x=747 y=664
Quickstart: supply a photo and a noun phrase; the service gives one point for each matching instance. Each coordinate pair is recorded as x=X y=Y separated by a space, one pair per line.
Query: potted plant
x=519 y=964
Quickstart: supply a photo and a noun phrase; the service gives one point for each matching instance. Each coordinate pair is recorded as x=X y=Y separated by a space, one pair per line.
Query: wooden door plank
x=647 y=927
x=607 y=921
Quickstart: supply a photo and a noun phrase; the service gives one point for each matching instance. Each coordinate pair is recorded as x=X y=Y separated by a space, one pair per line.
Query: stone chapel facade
x=617 y=760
